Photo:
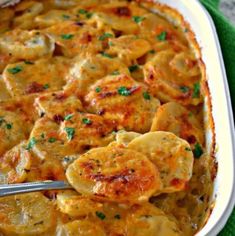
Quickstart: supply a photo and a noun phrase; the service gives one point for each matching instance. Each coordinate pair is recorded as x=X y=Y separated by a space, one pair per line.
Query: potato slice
x=46 y=142
x=26 y=214
x=149 y=220
x=169 y=82
x=124 y=138
x=174 y=118
x=53 y=17
x=26 y=11
x=14 y=164
x=74 y=38
x=57 y=105
x=11 y=130
x=87 y=70
x=28 y=45
x=81 y=228
x=69 y=202
x=114 y=174
x=171 y=155
x=48 y=75
x=123 y=100
x=128 y=47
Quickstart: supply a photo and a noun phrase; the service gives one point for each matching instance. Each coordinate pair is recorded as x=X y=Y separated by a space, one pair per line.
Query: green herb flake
x=186 y=30
x=68 y=117
x=97 y=89
x=116 y=72
x=86 y=121
x=105 y=36
x=67 y=36
x=8 y=126
x=28 y=62
x=65 y=16
x=162 y=36
x=152 y=51
x=82 y=11
x=51 y=140
x=110 y=43
x=146 y=95
x=138 y=19
x=106 y=55
x=101 y=215
x=133 y=68
x=15 y=70
x=197 y=152
x=1 y=120
x=31 y=143
x=184 y=89
x=188 y=149
x=123 y=91
x=46 y=86
x=42 y=135
x=89 y=15
x=196 y=90
x=118 y=217
x=70 y=132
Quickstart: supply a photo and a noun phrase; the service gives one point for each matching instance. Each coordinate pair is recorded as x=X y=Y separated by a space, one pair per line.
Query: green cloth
x=226 y=33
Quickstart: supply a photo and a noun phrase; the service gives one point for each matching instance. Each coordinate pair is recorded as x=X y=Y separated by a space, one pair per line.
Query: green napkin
x=226 y=33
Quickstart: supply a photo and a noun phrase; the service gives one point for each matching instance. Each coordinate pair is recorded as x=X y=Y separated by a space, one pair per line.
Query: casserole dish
x=100 y=70
x=205 y=32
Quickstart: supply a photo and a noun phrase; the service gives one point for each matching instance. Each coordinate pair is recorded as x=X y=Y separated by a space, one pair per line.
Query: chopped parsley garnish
x=124 y=91
x=46 y=86
x=15 y=70
x=101 y=215
x=133 y=68
x=51 y=140
x=28 y=62
x=105 y=36
x=111 y=43
x=146 y=95
x=65 y=16
x=67 y=36
x=138 y=19
x=42 y=135
x=70 y=132
x=97 y=89
x=85 y=12
x=162 y=36
x=106 y=55
x=116 y=72
x=197 y=150
x=82 y=11
x=89 y=15
x=184 y=89
x=68 y=117
x=118 y=217
x=8 y=126
x=152 y=51
x=187 y=149
x=31 y=143
x=196 y=90
x=86 y=121
x=1 y=120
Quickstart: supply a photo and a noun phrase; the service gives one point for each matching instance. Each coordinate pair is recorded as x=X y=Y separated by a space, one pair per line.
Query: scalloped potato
x=114 y=174
x=108 y=96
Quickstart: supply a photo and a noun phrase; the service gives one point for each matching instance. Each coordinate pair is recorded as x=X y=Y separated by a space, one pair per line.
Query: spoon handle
x=10 y=189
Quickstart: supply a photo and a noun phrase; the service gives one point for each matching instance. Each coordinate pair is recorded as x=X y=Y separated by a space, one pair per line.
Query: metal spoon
x=10 y=189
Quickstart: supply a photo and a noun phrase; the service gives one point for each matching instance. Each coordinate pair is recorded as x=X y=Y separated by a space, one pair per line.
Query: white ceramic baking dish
x=206 y=36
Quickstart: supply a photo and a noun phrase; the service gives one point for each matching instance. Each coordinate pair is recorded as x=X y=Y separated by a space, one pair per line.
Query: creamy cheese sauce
x=108 y=96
